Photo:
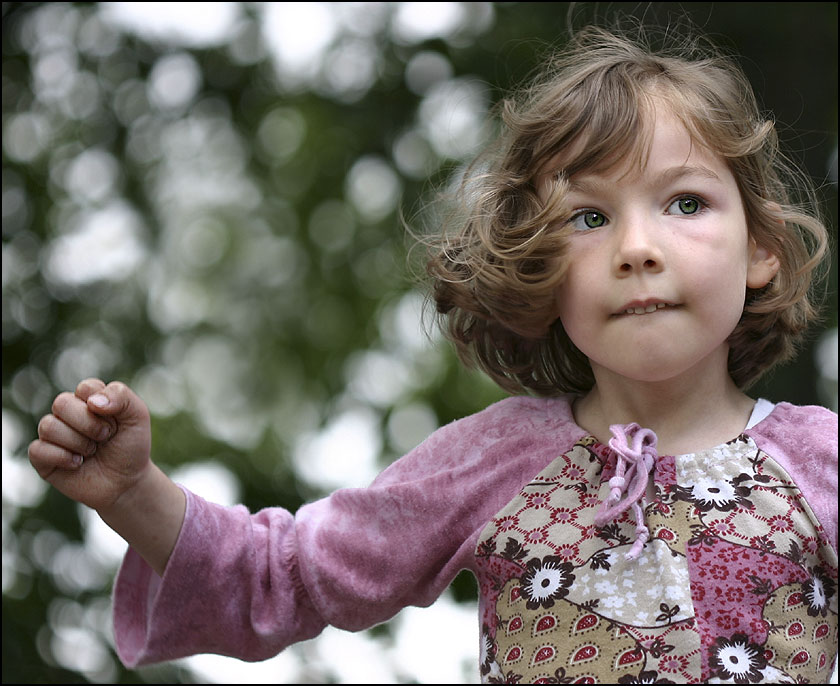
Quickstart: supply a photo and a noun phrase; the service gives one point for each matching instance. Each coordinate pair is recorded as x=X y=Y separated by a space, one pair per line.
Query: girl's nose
x=638 y=250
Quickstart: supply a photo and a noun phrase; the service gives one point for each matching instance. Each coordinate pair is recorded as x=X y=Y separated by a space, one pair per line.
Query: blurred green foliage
x=193 y=221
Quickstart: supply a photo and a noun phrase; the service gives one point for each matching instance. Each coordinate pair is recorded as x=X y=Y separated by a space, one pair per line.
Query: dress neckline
x=761 y=410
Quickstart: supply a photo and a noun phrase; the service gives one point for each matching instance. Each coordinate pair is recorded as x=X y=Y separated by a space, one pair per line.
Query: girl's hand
x=96 y=443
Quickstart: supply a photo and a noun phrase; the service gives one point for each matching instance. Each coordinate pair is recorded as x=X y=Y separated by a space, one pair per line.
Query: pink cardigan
x=249 y=585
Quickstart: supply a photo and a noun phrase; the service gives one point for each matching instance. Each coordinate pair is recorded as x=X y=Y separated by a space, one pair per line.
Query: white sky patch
x=401 y=325
x=184 y=23
x=90 y=176
x=409 y=425
x=320 y=45
x=203 y=168
x=357 y=658
x=161 y=388
x=174 y=81
x=351 y=68
x=175 y=303
x=26 y=136
x=415 y=22
x=453 y=116
x=298 y=35
x=413 y=155
x=101 y=541
x=284 y=668
x=105 y=244
x=53 y=74
x=93 y=661
x=222 y=411
x=377 y=377
x=212 y=480
x=449 y=632
x=85 y=357
x=373 y=187
x=425 y=69
x=343 y=454
x=22 y=487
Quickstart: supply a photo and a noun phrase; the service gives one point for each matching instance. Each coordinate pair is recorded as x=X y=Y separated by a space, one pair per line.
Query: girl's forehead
x=669 y=145
x=660 y=139
x=662 y=150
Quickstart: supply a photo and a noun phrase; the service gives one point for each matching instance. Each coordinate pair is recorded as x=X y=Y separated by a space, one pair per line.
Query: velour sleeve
x=228 y=575
x=803 y=439
x=249 y=585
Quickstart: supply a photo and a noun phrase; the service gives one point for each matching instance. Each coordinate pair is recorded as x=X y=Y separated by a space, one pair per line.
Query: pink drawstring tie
x=632 y=470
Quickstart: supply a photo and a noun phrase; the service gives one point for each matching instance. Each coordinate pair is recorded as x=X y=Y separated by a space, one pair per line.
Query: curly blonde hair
x=498 y=262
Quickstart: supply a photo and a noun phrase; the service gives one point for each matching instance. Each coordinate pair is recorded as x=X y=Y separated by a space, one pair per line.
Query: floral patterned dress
x=735 y=584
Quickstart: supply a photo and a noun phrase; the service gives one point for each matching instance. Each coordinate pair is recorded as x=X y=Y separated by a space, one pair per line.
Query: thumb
x=118 y=401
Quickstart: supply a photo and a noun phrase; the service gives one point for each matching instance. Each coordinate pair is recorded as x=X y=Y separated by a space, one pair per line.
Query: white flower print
x=721 y=455
x=613 y=601
x=606 y=588
x=546 y=580
x=817 y=595
x=817 y=590
x=714 y=491
x=485 y=648
x=737 y=659
x=487 y=655
x=707 y=493
x=771 y=675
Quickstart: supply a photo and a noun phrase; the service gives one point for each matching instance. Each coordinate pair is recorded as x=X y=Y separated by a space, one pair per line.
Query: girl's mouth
x=645 y=310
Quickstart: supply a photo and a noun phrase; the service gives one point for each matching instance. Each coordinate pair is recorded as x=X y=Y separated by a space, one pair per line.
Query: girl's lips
x=643 y=307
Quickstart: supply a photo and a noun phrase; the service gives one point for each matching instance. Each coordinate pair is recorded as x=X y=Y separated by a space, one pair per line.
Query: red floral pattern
x=737 y=582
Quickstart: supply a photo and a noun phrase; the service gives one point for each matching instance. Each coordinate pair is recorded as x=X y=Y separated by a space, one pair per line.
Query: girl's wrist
x=149 y=516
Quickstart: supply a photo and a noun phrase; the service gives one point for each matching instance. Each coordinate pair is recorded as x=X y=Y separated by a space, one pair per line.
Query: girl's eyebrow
x=595 y=184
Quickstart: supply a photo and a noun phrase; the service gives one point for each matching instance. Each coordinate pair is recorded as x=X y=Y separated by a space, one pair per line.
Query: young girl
x=629 y=256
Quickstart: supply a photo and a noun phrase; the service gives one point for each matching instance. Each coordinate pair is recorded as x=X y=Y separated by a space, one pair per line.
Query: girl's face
x=659 y=261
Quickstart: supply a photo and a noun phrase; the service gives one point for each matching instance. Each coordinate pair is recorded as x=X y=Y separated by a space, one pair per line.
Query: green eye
x=594 y=219
x=586 y=220
x=687 y=205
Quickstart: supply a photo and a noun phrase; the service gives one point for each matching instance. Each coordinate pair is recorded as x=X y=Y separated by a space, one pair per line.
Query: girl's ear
x=762 y=267
x=763 y=264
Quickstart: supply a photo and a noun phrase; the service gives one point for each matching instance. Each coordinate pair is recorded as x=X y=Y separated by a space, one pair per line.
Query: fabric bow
x=635 y=449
